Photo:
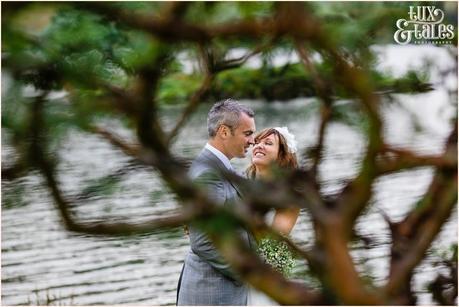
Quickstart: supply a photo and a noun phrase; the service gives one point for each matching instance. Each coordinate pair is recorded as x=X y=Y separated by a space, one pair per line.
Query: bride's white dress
x=255 y=297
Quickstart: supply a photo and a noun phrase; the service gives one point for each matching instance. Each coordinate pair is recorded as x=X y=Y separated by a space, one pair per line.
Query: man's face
x=239 y=143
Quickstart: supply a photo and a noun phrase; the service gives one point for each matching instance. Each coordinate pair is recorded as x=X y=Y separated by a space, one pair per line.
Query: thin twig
x=194 y=102
x=326 y=107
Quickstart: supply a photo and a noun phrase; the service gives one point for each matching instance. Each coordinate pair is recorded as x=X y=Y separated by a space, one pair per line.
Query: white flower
x=290 y=138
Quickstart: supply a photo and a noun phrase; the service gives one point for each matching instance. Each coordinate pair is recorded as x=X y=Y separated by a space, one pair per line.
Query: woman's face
x=266 y=150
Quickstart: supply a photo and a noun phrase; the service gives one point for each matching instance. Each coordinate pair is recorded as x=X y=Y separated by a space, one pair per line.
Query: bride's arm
x=285 y=219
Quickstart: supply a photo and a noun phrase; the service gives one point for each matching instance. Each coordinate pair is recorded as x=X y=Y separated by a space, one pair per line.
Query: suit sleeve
x=200 y=243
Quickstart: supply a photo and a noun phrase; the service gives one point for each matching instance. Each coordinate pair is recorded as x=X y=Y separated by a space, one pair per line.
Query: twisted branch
x=413 y=236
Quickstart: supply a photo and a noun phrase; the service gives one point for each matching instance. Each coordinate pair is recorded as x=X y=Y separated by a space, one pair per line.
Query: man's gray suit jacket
x=206 y=279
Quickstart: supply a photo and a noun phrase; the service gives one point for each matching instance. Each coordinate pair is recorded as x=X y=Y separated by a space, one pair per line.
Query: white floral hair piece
x=290 y=138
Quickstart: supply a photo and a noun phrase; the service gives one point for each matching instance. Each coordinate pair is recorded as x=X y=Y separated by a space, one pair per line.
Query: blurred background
x=58 y=51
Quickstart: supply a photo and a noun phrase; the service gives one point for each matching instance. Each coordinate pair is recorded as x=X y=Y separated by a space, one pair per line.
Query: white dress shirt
x=220 y=156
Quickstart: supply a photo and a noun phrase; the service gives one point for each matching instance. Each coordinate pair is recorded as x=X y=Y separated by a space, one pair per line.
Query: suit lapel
x=218 y=164
x=215 y=162
x=236 y=187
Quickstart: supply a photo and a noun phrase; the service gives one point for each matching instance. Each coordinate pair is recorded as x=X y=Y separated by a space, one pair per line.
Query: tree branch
x=394 y=160
x=237 y=62
x=263 y=276
x=63 y=205
x=342 y=275
x=326 y=110
x=15 y=171
x=354 y=197
x=132 y=150
x=197 y=98
x=413 y=236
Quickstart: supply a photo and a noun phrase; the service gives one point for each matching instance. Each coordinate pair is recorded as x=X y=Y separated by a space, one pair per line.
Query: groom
x=206 y=279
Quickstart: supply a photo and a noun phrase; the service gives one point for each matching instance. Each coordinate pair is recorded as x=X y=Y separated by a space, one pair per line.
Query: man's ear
x=223 y=131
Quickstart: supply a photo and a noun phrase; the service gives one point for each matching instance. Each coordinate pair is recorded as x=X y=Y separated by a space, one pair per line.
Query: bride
x=273 y=146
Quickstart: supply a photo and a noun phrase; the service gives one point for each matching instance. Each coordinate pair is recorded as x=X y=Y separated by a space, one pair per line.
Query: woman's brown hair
x=285 y=159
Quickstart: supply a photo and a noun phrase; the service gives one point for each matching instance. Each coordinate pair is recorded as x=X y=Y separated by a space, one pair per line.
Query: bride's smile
x=265 y=151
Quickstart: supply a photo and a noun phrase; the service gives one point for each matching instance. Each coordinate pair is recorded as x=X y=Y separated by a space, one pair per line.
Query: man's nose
x=251 y=140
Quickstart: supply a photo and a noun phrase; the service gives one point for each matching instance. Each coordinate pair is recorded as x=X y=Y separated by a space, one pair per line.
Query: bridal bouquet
x=277 y=254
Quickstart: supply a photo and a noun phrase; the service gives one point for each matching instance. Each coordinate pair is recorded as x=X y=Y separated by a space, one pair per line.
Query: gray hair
x=226 y=112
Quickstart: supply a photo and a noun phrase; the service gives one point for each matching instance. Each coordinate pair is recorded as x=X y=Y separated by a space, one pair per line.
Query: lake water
x=44 y=264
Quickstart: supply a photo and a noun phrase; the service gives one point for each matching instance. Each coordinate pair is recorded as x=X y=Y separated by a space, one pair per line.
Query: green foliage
x=445 y=254
x=355 y=26
x=177 y=88
x=221 y=12
x=274 y=83
x=82 y=44
x=15 y=111
x=76 y=45
x=412 y=82
x=73 y=31
x=271 y=83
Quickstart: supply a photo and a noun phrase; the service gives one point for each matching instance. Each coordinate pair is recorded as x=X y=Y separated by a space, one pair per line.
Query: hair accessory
x=290 y=138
